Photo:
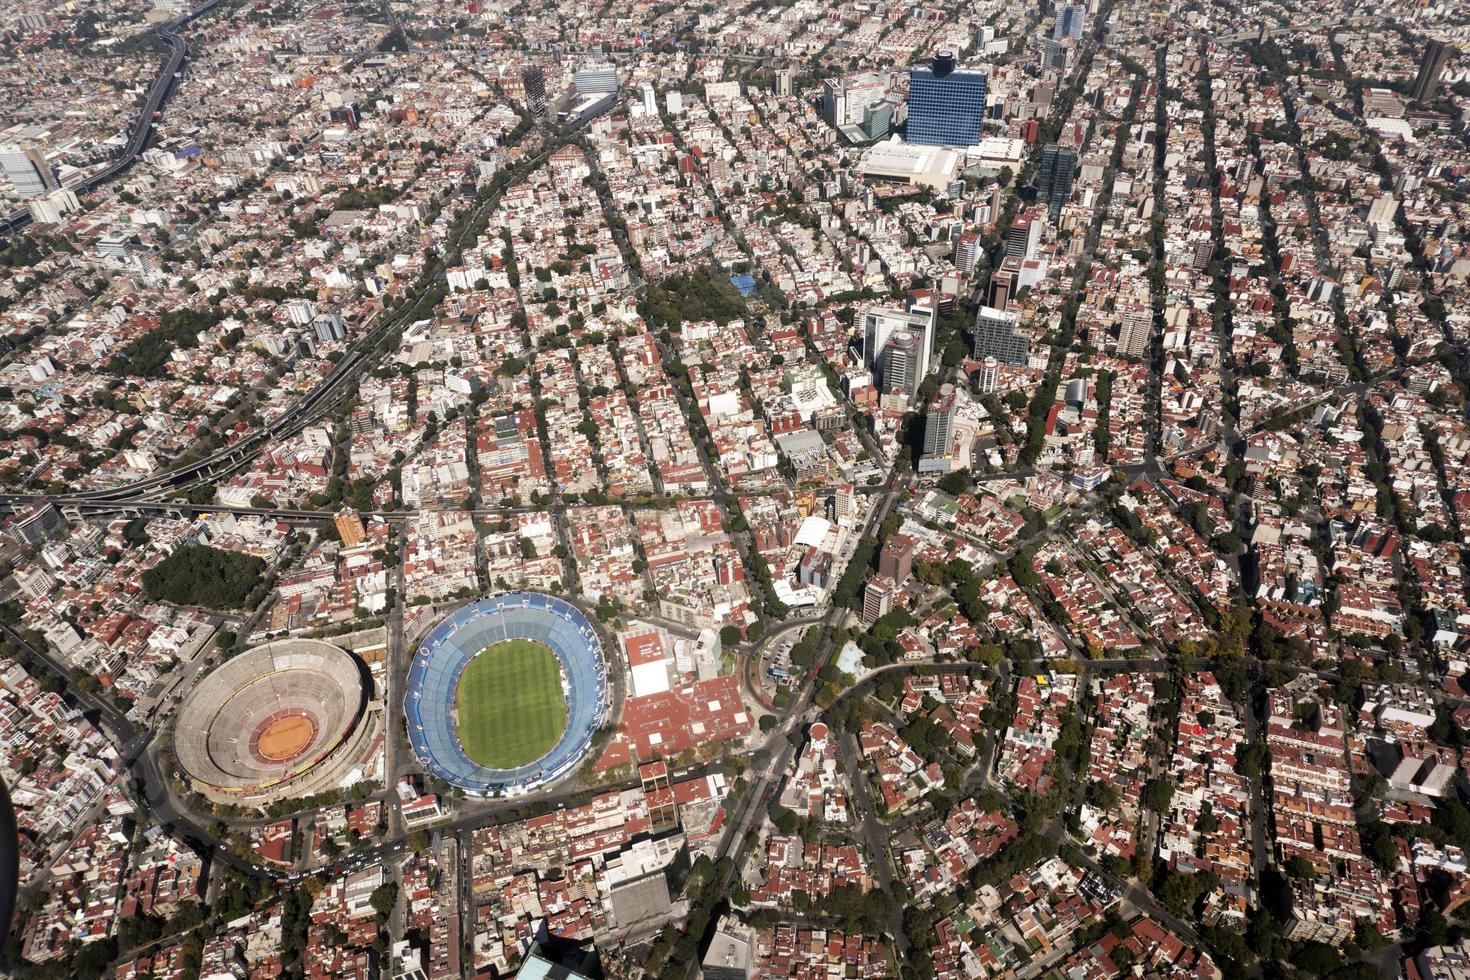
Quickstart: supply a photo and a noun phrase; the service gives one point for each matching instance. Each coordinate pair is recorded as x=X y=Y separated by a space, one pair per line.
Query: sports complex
x=281 y=719
x=505 y=695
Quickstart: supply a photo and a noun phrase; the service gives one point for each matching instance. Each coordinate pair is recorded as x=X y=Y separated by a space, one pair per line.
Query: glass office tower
x=945 y=105
x=1058 y=169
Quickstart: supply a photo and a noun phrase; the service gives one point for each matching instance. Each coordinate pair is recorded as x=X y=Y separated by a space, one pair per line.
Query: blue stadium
x=433 y=679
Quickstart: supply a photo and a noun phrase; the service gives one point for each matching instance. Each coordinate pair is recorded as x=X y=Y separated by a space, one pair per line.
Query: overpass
x=322 y=397
x=158 y=96
x=309 y=407
x=77 y=507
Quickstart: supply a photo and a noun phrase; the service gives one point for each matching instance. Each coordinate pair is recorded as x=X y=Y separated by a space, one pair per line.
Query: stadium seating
x=433 y=680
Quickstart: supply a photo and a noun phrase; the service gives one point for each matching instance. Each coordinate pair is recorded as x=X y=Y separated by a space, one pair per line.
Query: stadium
x=280 y=720
x=502 y=627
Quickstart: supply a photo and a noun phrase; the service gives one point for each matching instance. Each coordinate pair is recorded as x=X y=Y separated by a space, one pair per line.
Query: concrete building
x=878 y=598
x=925 y=166
x=1383 y=209
x=1024 y=236
x=39 y=524
x=1437 y=54
x=845 y=99
x=729 y=956
x=1053 y=55
x=896 y=560
x=966 y=251
x=1439 y=962
x=882 y=324
x=1071 y=22
x=987 y=379
x=117 y=244
x=1135 y=332
x=350 y=528
x=1004 y=283
x=533 y=78
x=899 y=370
x=998 y=335
x=939 y=433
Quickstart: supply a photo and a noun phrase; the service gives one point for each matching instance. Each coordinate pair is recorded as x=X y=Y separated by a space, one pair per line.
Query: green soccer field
x=509 y=704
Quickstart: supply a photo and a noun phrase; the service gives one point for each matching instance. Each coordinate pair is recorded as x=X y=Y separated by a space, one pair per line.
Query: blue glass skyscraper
x=945 y=105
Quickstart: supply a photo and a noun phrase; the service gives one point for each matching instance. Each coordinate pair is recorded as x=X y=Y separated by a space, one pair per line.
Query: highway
x=360 y=356
x=133 y=498
x=158 y=96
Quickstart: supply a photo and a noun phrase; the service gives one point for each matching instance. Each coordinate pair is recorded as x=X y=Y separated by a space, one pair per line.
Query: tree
x=1368 y=938
x=136 y=531
x=1103 y=796
x=1158 y=795
x=1432 y=929
x=198 y=575
x=955 y=483
x=1300 y=867
x=93 y=959
x=785 y=820
x=1179 y=892
x=1317 y=958
x=383 y=899
x=699 y=295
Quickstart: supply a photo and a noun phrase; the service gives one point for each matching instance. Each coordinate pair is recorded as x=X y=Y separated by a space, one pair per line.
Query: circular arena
x=433 y=690
x=271 y=721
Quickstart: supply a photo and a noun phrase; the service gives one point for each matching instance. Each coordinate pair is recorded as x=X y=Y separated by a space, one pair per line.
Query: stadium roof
x=927 y=166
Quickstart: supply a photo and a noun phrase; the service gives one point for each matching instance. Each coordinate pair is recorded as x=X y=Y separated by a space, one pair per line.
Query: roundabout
x=504 y=696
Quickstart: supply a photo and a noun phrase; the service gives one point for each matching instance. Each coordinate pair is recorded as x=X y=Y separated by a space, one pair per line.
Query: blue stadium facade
x=433 y=679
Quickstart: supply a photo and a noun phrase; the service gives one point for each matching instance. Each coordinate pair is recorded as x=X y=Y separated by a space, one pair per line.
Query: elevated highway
x=153 y=104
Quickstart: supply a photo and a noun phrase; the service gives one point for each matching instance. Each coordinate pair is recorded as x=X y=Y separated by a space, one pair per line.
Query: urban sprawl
x=780 y=489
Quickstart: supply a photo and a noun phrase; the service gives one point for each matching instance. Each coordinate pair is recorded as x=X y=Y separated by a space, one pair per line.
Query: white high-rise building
x=845 y=99
x=301 y=311
x=28 y=170
x=596 y=79
x=650 y=100
x=44 y=211
x=882 y=326
x=989 y=376
x=1135 y=332
x=117 y=244
x=998 y=335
